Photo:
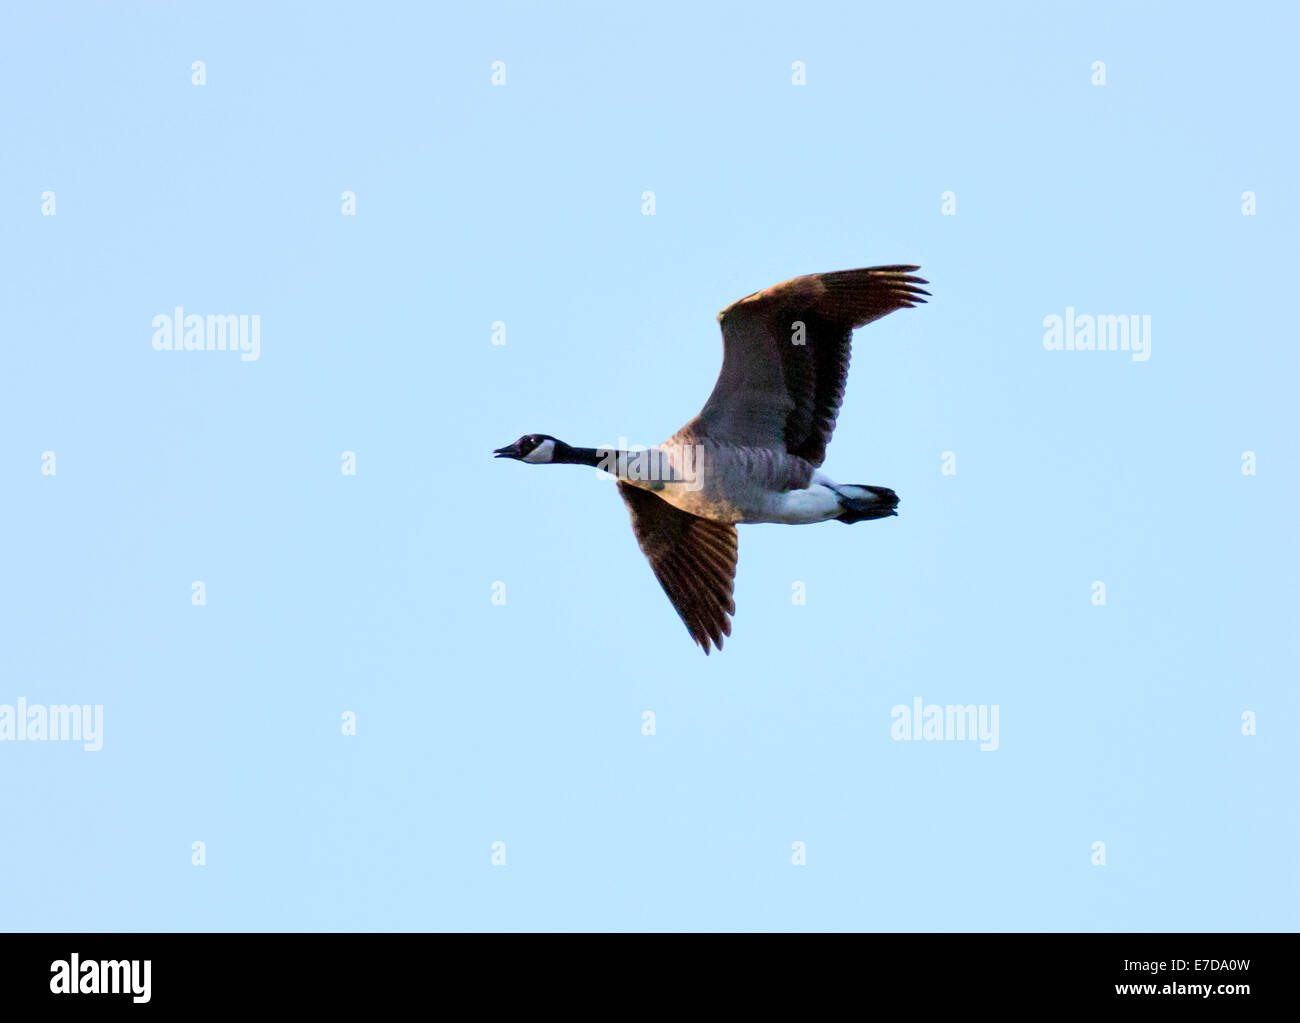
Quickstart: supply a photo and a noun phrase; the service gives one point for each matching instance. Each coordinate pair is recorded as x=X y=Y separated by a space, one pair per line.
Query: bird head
x=535 y=448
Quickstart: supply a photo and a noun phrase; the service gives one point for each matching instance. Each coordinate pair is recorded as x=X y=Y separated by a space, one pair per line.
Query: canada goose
x=752 y=453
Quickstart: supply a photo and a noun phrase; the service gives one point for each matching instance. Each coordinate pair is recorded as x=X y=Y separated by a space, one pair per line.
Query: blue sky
x=521 y=723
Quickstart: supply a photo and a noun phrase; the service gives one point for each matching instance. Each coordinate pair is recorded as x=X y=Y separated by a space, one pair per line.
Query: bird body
x=754 y=452
x=726 y=482
x=739 y=483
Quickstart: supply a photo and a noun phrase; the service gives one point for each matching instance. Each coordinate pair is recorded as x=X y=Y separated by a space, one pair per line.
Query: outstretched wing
x=785 y=356
x=694 y=560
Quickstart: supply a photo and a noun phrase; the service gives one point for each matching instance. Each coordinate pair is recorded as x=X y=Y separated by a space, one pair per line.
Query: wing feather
x=785 y=356
x=693 y=558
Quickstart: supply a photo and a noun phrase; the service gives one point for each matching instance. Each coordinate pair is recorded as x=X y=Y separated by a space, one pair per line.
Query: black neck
x=567 y=455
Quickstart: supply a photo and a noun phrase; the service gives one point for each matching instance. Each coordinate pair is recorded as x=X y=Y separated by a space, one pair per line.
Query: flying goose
x=753 y=452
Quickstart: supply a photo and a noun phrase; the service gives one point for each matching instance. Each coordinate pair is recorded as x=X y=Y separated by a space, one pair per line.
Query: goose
x=754 y=452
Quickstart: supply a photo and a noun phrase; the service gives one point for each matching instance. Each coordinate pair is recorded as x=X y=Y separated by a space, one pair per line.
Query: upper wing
x=694 y=560
x=782 y=383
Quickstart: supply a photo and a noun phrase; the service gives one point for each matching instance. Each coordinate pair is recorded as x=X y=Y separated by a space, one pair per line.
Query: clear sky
x=372 y=594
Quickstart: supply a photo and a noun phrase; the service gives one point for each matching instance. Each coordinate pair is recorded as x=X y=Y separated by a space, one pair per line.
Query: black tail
x=862 y=502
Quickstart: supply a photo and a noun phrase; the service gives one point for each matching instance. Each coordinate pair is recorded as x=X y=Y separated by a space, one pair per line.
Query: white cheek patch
x=542 y=453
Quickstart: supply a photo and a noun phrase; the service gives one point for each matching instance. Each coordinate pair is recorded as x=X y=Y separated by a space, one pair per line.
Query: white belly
x=798 y=507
